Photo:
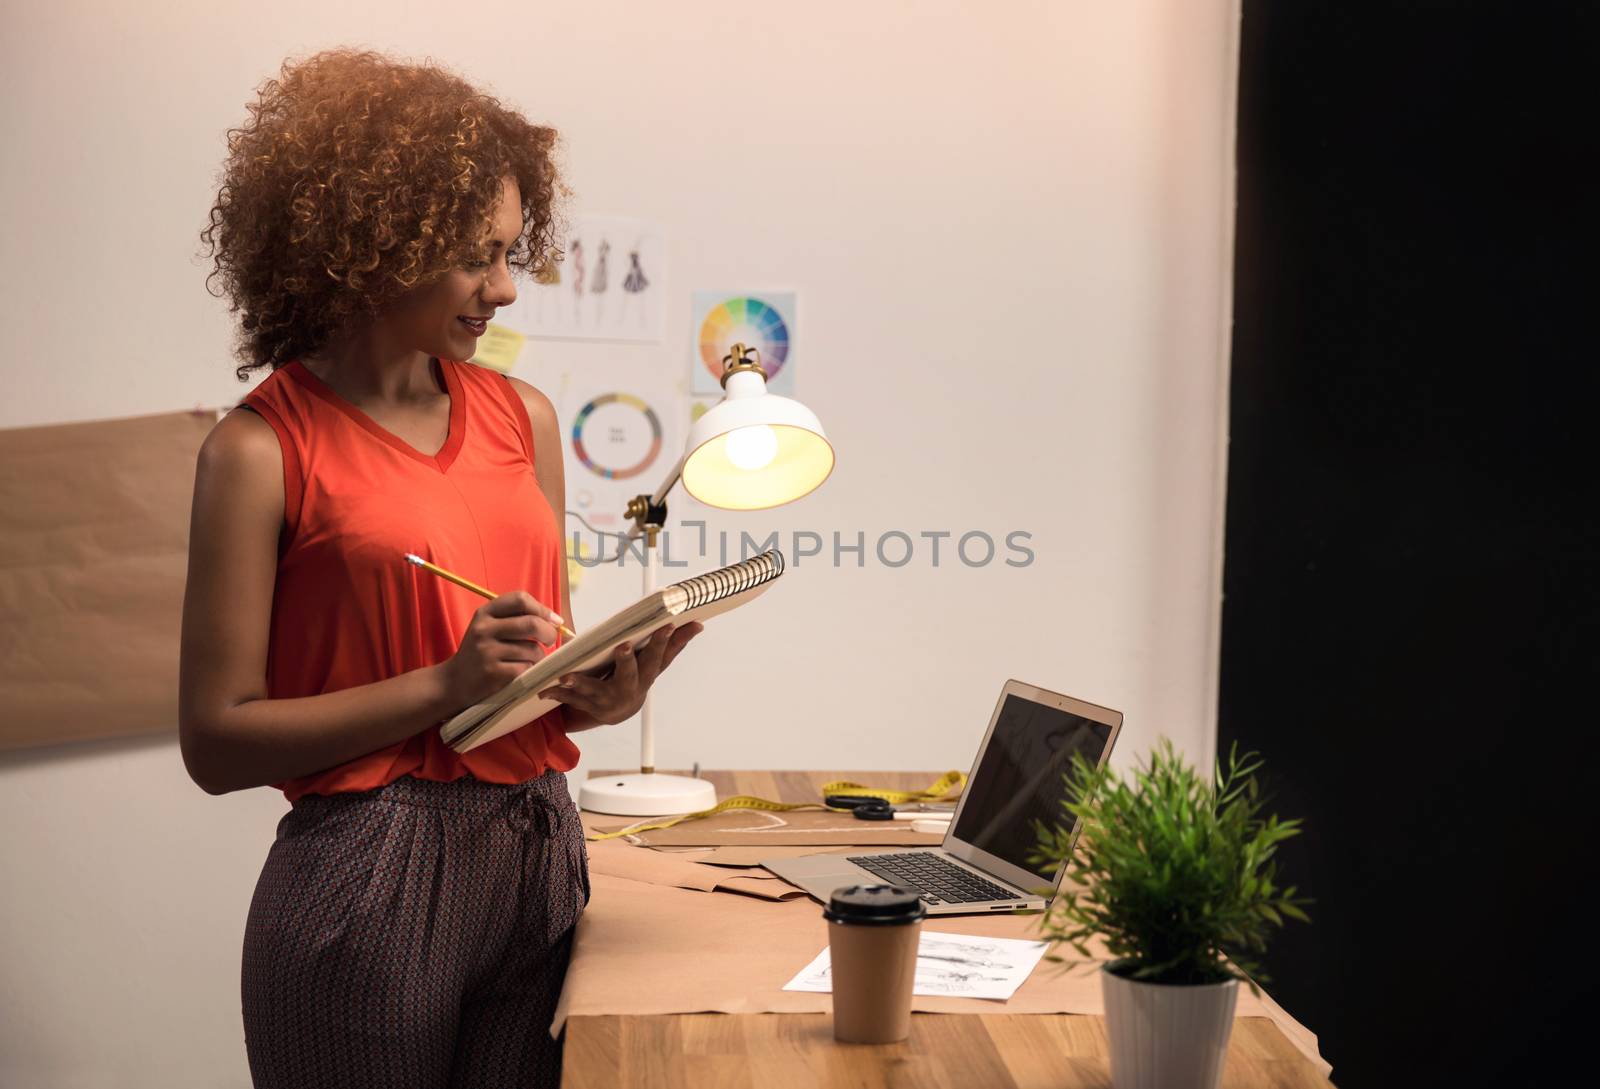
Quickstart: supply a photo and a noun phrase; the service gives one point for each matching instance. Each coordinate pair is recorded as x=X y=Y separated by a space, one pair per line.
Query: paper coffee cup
x=873 y=931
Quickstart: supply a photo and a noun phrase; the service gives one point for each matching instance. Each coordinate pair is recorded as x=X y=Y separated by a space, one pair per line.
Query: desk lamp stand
x=750 y=451
x=648 y=793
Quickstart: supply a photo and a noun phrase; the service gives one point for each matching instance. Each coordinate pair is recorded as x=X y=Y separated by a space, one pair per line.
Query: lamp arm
x=671 y=481
x=640 y=517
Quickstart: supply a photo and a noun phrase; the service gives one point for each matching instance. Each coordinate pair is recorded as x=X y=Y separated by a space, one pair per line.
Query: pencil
x=474 y=587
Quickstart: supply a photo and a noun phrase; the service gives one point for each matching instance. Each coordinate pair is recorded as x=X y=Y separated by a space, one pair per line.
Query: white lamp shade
x=736 y=469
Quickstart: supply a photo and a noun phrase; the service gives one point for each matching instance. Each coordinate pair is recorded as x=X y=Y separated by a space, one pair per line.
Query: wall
x=1009 y=227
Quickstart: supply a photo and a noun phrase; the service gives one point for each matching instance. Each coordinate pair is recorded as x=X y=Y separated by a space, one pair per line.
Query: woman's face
x=432 y=318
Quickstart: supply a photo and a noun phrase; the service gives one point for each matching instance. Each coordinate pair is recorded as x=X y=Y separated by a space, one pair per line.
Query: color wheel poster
x=621 y=437
x=608 y=285
x=762 y=320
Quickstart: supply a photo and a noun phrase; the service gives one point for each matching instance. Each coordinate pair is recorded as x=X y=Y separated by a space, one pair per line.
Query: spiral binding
x=733 y=579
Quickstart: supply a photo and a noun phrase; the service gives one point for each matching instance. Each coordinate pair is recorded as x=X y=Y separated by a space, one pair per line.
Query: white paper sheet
x=608 y=286
x=956 y=965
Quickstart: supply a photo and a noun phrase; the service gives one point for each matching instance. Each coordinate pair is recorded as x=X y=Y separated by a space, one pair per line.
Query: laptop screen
x=1019 y=779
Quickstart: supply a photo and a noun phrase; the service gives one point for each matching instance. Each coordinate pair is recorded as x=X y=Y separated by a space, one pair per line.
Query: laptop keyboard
x=937 y=879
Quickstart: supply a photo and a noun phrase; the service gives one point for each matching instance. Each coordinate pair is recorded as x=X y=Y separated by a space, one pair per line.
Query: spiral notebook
x=698 y=598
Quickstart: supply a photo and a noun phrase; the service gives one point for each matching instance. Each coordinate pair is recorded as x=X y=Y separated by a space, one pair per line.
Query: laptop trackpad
x=816 y=869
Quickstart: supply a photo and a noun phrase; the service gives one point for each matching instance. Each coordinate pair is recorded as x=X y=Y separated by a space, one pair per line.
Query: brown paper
x=801 y=827
x=618 y=859
x=734 y=856
x=744 y=857
x=92 y=565
x=651 y=949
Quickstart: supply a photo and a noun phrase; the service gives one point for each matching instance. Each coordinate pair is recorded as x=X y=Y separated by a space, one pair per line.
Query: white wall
x=1009 y=224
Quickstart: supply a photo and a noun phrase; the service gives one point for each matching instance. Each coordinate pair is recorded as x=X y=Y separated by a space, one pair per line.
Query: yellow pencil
x=474 y=587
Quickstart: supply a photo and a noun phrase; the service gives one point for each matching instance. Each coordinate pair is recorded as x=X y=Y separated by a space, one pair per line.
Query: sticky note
x=575 y=567
x=499 y=348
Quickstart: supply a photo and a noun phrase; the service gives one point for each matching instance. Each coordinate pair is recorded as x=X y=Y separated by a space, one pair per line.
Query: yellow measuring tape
x=947 y=788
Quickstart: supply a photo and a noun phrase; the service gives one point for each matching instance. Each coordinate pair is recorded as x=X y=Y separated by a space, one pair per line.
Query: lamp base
x=646 y=795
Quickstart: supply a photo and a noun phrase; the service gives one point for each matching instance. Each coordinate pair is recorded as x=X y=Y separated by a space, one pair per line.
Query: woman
x=412 y=922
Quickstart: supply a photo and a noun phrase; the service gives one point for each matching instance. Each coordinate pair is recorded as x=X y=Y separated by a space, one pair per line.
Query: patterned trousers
x=414 y=937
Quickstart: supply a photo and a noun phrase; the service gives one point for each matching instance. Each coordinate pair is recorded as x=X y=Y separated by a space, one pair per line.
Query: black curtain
x=1409 y=616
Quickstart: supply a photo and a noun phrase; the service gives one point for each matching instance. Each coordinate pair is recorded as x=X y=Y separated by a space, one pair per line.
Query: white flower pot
x=1167 y=1037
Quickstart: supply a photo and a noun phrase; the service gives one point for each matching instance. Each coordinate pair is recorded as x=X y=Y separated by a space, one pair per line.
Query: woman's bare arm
x=635 y=668
x=233 y=737
x=550 y=471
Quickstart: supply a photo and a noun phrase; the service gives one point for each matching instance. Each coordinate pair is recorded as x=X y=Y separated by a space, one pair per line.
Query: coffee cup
x=873 y=932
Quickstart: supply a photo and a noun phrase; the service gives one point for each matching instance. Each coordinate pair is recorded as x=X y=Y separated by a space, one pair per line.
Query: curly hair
x=357 y=179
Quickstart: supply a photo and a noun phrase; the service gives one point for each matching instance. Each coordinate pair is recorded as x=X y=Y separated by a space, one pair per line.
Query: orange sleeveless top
x=348 y=609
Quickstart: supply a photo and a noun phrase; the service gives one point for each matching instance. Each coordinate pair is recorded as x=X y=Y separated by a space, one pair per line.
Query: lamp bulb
x=752 y=448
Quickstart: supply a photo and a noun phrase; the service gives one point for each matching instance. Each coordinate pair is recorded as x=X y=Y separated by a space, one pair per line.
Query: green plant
x=1178 y=870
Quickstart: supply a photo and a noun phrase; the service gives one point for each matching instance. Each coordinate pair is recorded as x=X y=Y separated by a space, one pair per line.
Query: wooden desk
x=701 y=1051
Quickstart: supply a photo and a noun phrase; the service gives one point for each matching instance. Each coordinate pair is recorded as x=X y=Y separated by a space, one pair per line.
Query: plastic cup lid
x=874 y=905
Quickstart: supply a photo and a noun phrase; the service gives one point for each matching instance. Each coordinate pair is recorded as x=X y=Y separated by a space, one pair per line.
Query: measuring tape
x=947 y=788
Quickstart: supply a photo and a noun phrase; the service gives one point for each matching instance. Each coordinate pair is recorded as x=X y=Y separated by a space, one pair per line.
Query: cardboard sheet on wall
x=93 y=555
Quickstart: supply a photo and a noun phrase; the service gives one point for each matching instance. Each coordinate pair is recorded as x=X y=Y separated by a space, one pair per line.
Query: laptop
x=982 y=865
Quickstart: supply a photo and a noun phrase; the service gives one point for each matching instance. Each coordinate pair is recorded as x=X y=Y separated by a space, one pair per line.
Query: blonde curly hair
x=357 y=179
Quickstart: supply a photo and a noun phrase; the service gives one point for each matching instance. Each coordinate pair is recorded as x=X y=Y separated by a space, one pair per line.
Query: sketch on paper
x=762 y=320
x=957 y=965
x=581 y=297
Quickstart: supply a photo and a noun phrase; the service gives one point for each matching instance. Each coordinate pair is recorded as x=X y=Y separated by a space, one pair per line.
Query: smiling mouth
x=477 y=326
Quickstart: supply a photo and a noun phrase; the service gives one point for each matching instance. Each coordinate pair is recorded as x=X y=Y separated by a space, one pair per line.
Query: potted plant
x=1173 y=872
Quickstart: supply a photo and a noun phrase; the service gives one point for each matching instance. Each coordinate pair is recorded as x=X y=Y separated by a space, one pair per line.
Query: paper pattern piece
x=607 y=286
x=800 y=827
x=753 y=856
x=652 y=867
x=764 y=320
x=92 y=567
x=957 y=965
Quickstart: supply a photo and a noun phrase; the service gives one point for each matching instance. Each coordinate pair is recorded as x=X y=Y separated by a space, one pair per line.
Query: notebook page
x=517 y=704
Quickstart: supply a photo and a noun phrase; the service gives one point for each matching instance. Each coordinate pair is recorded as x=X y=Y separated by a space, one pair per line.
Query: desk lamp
x=750 y=451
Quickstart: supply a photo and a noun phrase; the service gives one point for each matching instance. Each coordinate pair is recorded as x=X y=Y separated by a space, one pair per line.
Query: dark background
x=1409 y=615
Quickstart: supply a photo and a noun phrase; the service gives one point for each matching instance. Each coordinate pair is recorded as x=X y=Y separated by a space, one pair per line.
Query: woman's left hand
x=618 y=697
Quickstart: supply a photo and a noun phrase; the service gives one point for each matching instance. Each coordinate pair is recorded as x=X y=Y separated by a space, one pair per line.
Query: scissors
x=864 y=808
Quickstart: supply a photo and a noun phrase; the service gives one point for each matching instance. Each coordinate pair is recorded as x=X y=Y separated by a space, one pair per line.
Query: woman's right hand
x=506 y=636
